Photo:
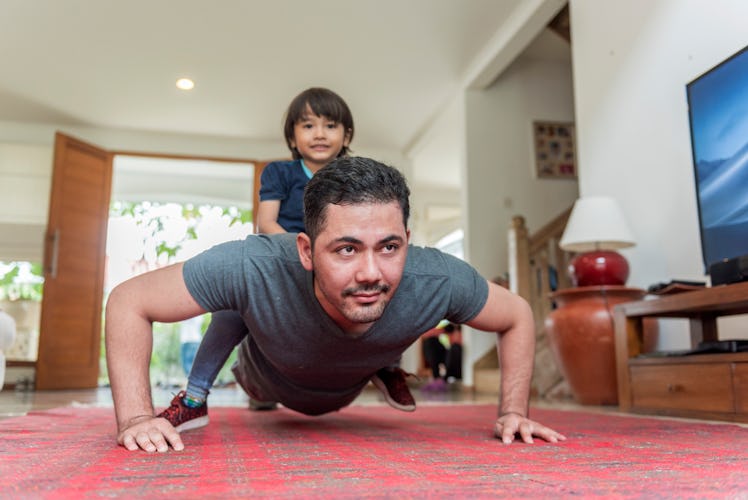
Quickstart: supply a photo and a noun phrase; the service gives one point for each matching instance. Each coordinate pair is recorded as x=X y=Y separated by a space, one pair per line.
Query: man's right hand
x=150 y=434
x=133 y=305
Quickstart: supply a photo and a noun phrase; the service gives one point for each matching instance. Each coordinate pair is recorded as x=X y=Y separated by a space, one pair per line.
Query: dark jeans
x=225 y=331
x=437 y=355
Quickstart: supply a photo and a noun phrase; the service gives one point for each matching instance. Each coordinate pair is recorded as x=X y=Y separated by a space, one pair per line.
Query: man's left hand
x=511 y=424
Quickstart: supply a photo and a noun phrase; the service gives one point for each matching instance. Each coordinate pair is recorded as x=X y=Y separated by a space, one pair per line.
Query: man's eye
x=391 y=247
x=347 y=250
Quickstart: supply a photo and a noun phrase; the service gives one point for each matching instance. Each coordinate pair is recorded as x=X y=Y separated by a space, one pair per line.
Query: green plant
x=152 y=217
x=166 y=366
x=165 y=363
x=21 y=281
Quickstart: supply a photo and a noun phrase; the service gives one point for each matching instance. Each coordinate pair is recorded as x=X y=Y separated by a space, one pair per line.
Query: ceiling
x=114 y=64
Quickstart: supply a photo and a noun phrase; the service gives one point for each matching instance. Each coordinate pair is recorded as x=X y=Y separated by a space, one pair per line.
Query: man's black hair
x=351 y=181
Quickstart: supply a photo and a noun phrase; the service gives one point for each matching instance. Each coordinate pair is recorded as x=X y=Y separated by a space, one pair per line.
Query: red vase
x=580 y=333
x=599 y=267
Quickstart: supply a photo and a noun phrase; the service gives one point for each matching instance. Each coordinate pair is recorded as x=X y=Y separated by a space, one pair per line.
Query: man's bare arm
x=132 y=307
x=510 y=316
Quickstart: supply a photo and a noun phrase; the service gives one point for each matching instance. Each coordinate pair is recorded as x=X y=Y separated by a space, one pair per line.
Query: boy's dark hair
x=351 y=181
x=322 y=102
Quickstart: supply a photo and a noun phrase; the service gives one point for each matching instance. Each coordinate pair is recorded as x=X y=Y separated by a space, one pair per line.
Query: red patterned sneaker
x=391 y=381
x=184 y=418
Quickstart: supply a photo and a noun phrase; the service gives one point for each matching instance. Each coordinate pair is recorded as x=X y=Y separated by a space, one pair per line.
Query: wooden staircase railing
x=536 y=262
x=534 y=258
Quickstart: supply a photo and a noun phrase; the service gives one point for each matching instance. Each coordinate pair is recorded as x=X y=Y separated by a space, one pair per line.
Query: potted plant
x=21 y=286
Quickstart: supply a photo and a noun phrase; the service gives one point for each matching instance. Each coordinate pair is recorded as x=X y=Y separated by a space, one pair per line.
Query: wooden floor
x=17 y=402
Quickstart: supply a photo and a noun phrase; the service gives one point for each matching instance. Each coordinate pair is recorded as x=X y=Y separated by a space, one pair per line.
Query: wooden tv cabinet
x=708 y=386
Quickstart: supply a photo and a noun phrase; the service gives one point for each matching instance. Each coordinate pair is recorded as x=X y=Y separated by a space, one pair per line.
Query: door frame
x=47 y=328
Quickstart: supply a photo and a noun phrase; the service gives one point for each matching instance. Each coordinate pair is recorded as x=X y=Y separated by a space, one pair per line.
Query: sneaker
x=436 y=385
x=183 y=417
x=255 y=405
x=391 y=381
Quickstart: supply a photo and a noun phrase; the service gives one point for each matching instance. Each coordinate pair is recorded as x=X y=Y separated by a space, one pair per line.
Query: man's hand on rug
x=510 y=424
x=150 y=434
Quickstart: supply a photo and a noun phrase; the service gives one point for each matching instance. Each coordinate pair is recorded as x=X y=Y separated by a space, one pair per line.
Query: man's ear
x=304 y=246
x=407 y=234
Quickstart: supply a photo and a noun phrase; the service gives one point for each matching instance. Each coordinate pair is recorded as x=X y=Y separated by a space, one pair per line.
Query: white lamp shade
x=596 y=223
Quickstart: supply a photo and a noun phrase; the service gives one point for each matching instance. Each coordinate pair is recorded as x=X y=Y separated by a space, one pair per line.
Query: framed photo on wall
x=554 y=148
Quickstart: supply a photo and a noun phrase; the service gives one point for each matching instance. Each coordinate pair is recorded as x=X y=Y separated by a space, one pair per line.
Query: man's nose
x=368 y=271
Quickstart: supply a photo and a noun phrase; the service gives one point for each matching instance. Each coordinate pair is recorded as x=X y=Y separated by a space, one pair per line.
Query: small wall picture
x=555 y=155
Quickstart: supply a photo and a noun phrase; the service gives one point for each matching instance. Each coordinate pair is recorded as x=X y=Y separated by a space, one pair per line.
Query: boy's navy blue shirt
x=285 y=181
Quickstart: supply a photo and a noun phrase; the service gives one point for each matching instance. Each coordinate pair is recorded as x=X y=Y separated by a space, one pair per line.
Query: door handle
x=53 y=245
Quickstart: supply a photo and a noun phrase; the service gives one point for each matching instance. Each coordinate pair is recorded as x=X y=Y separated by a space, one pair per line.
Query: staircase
x=536 y=266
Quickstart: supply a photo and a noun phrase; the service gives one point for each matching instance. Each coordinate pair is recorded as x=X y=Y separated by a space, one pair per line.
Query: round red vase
x=599 y=267
x=580 y=333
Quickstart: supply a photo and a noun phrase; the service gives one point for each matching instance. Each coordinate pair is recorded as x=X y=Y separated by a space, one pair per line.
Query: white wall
x=631 y=63
x=438 y=162
x=25 y=179
x=501 y=180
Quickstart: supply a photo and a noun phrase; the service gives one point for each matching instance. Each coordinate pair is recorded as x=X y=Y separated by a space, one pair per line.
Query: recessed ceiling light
x=185 y=84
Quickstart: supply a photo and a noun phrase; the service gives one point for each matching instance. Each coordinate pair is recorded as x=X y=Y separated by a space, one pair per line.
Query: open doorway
x=74 y=264
x=165 y=210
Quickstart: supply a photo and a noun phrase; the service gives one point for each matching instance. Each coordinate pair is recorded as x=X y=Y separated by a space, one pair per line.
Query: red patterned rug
x=374 y=452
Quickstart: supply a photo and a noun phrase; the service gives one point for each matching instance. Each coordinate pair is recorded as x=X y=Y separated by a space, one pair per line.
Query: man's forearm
x=128 y=343
x=516 y=359
x=159 y=295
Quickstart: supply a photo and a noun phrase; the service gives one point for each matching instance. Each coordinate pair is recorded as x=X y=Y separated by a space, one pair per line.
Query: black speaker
x=729 y=271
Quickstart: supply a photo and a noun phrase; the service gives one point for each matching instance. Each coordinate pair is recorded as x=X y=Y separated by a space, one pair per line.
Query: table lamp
x=595 y=229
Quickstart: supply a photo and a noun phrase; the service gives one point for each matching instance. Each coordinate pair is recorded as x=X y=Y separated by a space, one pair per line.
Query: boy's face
x=318 y=139
x=358 y=261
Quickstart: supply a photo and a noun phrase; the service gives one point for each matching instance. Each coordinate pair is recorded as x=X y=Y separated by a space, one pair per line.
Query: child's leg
x=435 y=355
x=454 y=362
x=225 y=331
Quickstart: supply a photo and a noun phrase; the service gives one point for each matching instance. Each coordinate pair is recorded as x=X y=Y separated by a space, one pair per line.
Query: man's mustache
x=366 y=289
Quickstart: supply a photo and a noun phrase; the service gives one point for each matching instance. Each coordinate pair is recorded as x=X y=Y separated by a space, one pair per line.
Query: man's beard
x=365 y=313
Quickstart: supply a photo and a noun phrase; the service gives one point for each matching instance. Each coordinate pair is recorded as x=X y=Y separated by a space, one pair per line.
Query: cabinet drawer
x=740 y=382
x=704 y=387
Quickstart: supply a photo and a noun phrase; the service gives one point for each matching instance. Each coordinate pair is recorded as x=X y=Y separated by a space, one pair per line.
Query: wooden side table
x=713 y=386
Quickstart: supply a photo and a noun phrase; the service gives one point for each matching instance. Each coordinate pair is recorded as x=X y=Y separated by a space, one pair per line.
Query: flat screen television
x=718 y=114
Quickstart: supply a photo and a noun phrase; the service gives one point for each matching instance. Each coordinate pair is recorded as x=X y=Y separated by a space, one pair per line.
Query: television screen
x=718 y=112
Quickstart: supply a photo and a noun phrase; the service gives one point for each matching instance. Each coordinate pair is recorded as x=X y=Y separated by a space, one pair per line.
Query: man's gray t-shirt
x=294 y=353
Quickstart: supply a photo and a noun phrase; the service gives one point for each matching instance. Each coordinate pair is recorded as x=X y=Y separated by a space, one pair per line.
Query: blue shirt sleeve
x=272 y=185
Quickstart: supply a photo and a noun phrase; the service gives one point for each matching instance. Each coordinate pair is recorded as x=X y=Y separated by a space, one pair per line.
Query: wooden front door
x=74 y=263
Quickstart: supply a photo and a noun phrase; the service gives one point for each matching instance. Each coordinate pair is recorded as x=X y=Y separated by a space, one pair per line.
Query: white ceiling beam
x=521 y=27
